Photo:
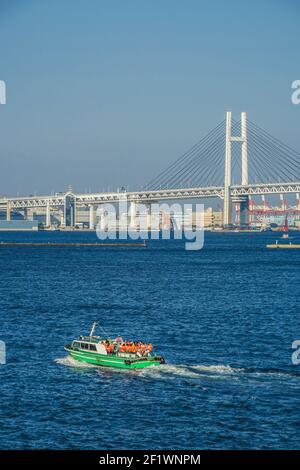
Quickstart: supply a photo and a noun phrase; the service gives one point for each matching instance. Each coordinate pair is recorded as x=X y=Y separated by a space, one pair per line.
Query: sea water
x=224 y=318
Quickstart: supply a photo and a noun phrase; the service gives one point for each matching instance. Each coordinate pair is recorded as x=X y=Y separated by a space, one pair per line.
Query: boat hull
x=111 y=360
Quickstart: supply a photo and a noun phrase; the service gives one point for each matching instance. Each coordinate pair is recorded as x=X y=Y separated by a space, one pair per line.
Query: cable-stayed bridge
x=233 y=162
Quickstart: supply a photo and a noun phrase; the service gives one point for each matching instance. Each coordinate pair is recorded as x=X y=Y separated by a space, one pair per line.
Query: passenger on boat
x=135 y=347
x=110 y=348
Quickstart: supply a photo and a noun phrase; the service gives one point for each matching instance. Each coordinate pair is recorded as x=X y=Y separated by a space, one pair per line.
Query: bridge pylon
x=227 y=214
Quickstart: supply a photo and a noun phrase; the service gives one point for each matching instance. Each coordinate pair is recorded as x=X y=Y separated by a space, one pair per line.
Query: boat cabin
x=89 y=345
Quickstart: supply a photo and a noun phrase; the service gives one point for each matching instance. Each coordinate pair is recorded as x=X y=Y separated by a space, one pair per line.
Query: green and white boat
x=108 y=352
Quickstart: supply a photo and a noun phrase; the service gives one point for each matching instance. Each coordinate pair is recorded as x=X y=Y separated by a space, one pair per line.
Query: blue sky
x=102 y=94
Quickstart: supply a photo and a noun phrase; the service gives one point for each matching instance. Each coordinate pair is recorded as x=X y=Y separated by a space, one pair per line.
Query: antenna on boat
x=93 y=329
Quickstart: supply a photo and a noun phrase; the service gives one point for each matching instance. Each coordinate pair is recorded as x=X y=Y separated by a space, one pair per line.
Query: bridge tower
x=242 y=201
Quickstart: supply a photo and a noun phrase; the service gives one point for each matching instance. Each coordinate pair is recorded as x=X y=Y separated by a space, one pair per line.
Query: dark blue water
x=224 y=318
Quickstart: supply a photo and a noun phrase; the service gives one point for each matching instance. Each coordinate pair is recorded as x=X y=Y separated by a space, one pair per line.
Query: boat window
x=93 y=347
x=83 y=346
x=76 y=345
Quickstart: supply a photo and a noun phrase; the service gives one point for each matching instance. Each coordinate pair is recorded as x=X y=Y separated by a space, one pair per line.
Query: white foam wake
x=194 y=371
x=184 y=371
x=164 y=371
x=70 y=362
x=220 y=369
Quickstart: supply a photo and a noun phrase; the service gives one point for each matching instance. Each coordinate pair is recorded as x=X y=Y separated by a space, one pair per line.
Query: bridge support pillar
x=62 y=217
x=242 y=210
x=8 y=209
x=70 y=210
x=133 y=214
x=251 y=207
x=149 y=217
x=244 y=149
x=283 y=203
x=91 y=217
x=227 y=182
x=48 y=215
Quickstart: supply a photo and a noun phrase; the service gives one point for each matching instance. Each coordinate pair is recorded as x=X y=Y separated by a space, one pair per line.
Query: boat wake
x=164 y=371
x=217 y=372
x=168 y=371
x=70 y=362
x=183 y=371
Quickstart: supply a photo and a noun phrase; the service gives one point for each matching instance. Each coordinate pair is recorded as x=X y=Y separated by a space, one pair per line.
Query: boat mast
x=93 y=328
